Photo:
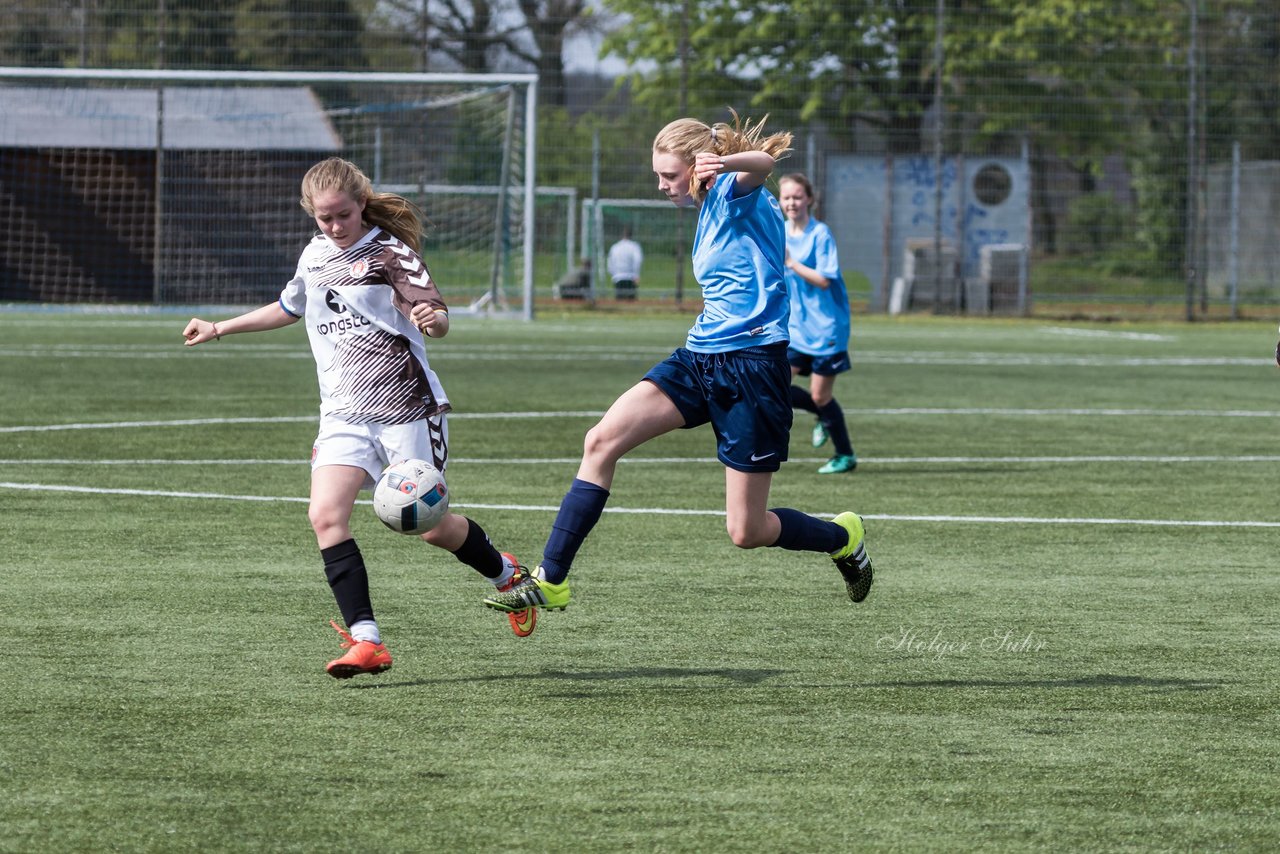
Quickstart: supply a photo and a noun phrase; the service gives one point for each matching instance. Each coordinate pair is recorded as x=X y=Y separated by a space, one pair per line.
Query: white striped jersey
x=370 y=358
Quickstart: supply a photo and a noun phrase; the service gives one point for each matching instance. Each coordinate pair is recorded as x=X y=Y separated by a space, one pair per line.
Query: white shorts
x=373 y=447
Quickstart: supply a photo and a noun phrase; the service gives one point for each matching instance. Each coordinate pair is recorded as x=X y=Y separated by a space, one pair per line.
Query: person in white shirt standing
x=623 y=262
x=367 y=300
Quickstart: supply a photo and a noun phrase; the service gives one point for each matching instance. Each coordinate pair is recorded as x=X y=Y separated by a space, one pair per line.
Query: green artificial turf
x=1072 y=642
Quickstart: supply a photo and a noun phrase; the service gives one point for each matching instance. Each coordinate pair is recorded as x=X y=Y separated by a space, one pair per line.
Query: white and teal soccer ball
x=411 y=497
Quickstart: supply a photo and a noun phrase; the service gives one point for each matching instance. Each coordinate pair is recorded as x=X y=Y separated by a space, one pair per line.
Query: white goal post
x=181 y=187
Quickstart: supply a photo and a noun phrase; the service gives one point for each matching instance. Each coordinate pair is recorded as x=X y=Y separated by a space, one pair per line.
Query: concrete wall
x=1258 y=227
x=874 y=204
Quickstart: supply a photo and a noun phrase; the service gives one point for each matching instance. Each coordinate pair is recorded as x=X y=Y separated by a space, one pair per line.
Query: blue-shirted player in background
x=732 y=373
x=819 y=319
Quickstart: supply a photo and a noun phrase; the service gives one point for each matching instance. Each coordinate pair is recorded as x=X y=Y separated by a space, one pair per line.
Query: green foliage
x=191 y=34
x=268 y=36
x=1240 y=77
x=798 y=62
x=1161 y=218
x=1120 y=274
x=31 y=38
x=687 y=51
x=1118 y=81
x=1098 y=63
x=566 y=143
x=1095 y=223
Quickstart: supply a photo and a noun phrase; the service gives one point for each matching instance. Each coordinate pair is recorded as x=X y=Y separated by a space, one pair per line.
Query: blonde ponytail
x=686 y=137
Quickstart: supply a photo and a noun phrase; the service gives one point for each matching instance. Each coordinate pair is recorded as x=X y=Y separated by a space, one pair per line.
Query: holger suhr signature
x=939 y=643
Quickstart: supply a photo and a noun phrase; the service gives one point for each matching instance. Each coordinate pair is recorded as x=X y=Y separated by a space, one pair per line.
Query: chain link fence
x=1066 y=157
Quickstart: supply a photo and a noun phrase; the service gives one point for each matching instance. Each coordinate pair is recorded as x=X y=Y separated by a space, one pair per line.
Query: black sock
x=804 y=533
x=478 y=553
x=801 y=399
x=833 y=420
x=344 y=567
x=579 y=511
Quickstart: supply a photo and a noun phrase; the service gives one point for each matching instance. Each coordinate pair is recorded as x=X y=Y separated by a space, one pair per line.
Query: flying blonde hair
x=686 y=137
x=388 y=211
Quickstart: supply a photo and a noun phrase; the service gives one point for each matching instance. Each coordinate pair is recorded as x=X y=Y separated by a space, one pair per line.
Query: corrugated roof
x=212 y=118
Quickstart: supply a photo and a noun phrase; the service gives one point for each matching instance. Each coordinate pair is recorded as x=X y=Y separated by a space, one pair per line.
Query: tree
x=1242 y=78
x=682 y=53
x=175 y=34
x=1083 y=79
x=491 y=35
x=42 y=36
x=869 y=63
x=299 y=35
x=182 y=34
x=1075 y=74
x=548 y=22
x=469 y=36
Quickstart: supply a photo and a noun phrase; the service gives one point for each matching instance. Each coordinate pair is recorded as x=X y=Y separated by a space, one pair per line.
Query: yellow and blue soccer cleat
x=534 y=591
x=853 y=561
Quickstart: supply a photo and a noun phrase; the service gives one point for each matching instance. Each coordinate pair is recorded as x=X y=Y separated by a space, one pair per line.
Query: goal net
x=665 y=235
x=182 y=187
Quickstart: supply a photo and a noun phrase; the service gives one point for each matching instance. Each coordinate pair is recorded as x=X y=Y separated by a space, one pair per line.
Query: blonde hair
x=686 y=137
x=390 y=212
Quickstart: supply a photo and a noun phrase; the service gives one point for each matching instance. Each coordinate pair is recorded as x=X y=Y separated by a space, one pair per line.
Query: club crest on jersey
x=359 y=268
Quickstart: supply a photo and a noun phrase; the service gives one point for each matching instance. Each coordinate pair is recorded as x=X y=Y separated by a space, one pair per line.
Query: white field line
x=524 y=353
x=670 y=511
x=1071 y=331
x=539 y=461
x=503 y=416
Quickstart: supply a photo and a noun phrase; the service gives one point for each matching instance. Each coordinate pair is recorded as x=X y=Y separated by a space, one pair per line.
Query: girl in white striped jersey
x=367 y=299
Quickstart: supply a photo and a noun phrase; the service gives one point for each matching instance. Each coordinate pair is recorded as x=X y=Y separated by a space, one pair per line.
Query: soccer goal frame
x=23 y=137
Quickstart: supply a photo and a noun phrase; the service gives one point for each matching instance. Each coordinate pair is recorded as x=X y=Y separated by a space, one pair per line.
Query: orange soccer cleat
x=522 y=622
x=360 y=656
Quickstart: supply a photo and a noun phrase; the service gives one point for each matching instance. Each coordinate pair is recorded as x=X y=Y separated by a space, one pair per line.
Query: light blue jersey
x=819 y=316
x=738 y=252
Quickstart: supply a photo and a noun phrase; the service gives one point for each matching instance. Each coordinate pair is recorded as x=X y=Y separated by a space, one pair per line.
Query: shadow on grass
x=1100 y=681
x=756 y=677
x=939 y=470
x=741 y=676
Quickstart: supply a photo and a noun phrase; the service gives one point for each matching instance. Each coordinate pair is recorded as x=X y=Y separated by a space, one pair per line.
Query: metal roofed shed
x=173 y=192
x=204 y=118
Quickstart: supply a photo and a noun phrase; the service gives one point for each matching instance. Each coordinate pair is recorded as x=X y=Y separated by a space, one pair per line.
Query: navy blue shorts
x=823 y=366
x=745 y=396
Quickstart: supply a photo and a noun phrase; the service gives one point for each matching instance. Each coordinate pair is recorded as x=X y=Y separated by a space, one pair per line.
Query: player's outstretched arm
x=270 y=316
x=752 y=168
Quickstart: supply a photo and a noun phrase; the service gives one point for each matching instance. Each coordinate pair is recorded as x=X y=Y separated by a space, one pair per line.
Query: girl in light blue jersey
x=819 y=319
x=732 y=373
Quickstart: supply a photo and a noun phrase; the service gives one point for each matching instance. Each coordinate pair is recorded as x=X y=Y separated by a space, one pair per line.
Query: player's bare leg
x=333 y=495
x=640 y=414
x=746 y=501
x=751 y=525
x=643 y=412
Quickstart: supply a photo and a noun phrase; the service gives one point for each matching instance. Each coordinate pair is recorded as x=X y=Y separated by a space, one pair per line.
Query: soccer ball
x=411 y=497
